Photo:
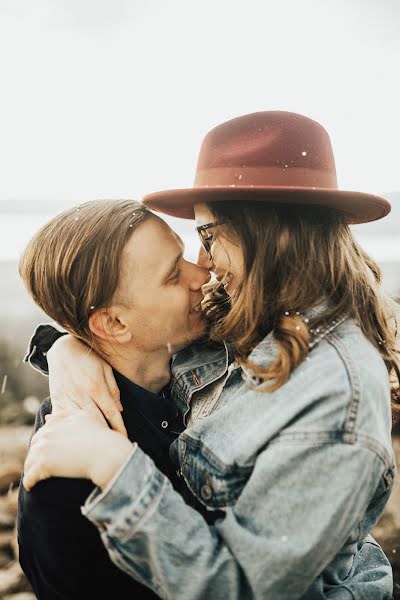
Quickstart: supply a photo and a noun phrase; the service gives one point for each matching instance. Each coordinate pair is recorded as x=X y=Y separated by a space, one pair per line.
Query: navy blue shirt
x=60 y=551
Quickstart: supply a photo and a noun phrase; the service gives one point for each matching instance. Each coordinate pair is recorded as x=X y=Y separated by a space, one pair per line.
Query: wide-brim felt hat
x=276 y=157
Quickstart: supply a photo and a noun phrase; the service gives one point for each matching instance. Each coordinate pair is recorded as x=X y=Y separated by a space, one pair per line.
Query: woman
x=288 y=439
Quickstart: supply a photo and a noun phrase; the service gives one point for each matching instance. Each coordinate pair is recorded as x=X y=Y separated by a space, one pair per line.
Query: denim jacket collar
x=193 y=370
x=266 y=351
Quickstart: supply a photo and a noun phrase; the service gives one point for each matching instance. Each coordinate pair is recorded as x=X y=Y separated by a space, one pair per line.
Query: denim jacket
x=297 y=478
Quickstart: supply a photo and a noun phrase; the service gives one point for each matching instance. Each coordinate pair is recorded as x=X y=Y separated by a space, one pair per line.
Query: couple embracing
x=224 y=438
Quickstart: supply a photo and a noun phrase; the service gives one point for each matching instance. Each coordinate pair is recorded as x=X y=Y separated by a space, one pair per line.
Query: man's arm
x=60 y=552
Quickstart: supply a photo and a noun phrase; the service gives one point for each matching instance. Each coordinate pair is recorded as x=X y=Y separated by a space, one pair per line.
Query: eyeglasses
x=206 y=237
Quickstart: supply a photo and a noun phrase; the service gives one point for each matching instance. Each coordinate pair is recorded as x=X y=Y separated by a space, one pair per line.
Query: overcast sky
x=111 y=98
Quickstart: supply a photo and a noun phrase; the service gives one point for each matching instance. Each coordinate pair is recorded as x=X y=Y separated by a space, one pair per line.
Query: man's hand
x=80 y=378
x=75 y=444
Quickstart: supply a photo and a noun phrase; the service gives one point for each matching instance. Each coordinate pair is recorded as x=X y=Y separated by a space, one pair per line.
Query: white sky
x=111 y=98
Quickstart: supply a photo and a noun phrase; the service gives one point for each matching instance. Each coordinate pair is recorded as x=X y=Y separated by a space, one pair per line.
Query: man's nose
x=201 y=277
x=197 y=276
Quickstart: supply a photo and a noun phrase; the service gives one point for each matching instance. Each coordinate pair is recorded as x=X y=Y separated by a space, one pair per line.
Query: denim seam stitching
x=143 y=513
x=195 y=444
x=185 y=389
x=179 y=376
x=314 y=438
x=352 y=409
x=345 y=587
x=141 y=579
x=203 y=365
x=335 y=438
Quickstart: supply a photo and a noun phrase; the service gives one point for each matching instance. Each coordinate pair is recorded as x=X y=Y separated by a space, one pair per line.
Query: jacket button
x=164 y=424
x=206 y=492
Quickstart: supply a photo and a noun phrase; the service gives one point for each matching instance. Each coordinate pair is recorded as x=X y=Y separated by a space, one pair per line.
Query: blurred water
x=17 y=228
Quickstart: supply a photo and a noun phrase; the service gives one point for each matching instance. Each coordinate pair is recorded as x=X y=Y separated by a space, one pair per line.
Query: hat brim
x=358 y=207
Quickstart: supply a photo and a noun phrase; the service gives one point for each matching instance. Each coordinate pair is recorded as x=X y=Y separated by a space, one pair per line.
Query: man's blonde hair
x=72 y=264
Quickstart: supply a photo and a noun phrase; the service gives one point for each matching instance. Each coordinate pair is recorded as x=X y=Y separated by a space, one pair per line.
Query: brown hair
x=72 y=264
x=295 y=257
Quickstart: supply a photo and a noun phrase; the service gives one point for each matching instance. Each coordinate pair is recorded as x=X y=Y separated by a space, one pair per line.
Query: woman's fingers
x=34 y=439
x=29 y=480
x=112 y=385
x=93 y=396
x=33 y=474
x=61 y=400
x=34 y=468
x=91 y=409
x=112 y=414
x=60 y=414
x=80 y=377
x=100 y=395
x=69 y=444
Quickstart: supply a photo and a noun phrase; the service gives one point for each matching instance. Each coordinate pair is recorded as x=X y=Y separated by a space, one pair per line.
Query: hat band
x=265 y=176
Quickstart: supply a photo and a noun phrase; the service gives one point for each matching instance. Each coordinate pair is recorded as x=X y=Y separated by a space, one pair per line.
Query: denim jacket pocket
x=215 y=484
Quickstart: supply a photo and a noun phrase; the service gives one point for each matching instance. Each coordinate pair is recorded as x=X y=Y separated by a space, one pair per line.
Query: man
x=112 y=274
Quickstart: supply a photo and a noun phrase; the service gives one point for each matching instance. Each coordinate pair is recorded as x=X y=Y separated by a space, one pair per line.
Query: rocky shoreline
x=387 y=531
x=13 y=445
x=13 y=584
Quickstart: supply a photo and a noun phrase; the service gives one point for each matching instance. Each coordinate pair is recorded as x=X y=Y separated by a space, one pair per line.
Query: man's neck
x=149 y=370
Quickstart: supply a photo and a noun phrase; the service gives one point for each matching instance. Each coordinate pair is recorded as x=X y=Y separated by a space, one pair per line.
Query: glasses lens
x=206 y=235
x=206 y=239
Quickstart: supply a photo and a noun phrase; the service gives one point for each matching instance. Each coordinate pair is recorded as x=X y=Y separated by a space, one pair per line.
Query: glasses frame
x=206 y=242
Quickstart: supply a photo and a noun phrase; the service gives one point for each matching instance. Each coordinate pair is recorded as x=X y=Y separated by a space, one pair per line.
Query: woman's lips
x=196 y=307
x=225 y=280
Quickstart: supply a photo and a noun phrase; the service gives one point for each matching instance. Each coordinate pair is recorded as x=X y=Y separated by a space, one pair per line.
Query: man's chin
x=194 y=334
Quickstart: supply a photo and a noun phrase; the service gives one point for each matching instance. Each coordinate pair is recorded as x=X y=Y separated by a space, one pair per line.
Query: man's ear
x=107 y=325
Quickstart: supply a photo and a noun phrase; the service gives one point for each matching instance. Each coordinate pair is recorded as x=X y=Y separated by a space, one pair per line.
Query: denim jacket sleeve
x=273 y=543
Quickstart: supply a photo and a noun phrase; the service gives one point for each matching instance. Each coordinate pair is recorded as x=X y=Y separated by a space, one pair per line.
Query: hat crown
x=267 y=148
x=273 y=156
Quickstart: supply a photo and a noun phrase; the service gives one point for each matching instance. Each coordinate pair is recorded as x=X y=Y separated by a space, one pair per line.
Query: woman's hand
x=80 y=378
x=75 y=444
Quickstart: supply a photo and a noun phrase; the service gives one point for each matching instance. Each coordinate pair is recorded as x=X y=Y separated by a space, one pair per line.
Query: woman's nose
x=206 y=275
x=204 y=260
x=197 y=276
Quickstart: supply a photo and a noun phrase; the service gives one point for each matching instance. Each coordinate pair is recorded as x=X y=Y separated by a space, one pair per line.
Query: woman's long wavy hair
x=294 y=258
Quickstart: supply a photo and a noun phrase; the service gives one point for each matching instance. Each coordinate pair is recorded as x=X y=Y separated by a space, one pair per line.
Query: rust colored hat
x=277 y=157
